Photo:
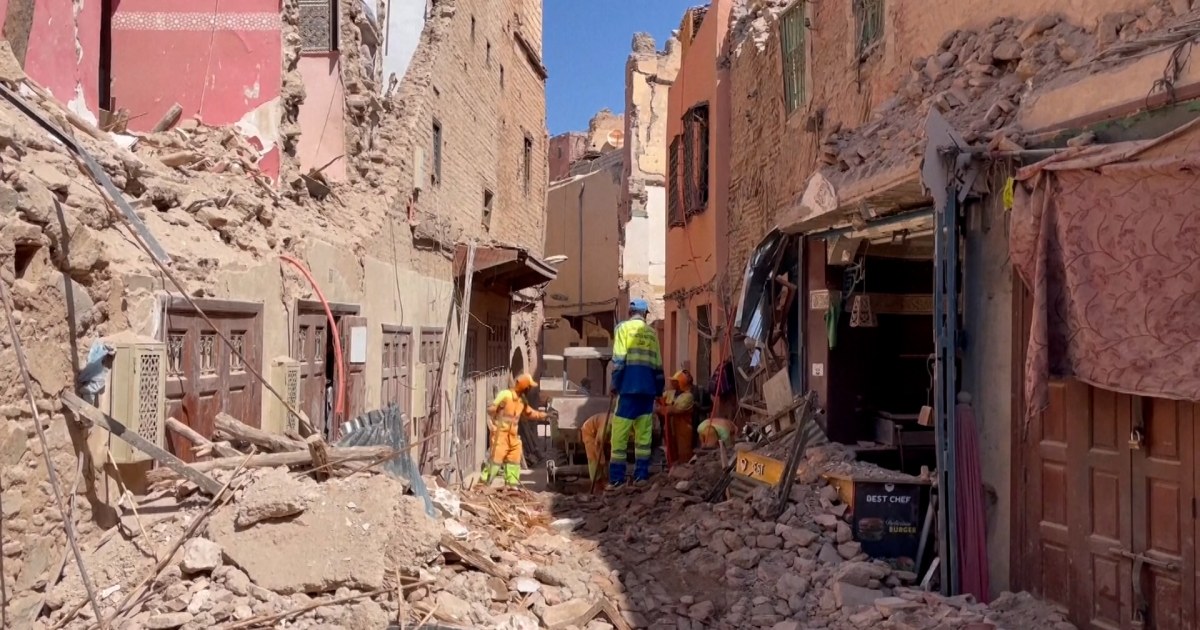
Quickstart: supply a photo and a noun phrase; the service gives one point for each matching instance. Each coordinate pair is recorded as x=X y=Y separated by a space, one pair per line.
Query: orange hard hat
x=683 y=377
x=525 y=382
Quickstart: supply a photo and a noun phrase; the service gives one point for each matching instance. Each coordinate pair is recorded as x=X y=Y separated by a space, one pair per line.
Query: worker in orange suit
x=505 y=412
x=676 y=408
x=596 y=433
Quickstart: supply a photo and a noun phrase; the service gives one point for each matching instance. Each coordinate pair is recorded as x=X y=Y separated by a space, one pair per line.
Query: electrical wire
x=339 y=368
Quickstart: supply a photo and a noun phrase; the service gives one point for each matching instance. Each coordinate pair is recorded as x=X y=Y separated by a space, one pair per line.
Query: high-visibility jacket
x=637 y=362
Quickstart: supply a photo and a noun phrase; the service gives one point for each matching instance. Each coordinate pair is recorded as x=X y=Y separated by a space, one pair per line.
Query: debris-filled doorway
x=870 y=323
x=314 y=348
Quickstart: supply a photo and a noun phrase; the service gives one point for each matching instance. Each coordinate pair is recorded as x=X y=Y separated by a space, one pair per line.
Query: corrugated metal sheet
x=389 y=427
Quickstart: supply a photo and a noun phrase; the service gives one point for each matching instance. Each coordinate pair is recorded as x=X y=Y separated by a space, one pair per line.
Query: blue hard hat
x=639 y=306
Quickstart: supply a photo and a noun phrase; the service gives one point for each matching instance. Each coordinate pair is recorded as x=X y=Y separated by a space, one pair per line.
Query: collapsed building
x=290 y=215
x=861 y=209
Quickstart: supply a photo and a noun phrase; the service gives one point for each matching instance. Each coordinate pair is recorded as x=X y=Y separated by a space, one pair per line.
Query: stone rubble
x=333 y=555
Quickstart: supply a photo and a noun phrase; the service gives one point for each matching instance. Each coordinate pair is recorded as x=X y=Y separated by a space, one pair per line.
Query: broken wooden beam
x=474 y=558
x=169 y=119
x=319 y=450
x=220 y=448
x=119 y=430
x=239 y=431
x=295 y=458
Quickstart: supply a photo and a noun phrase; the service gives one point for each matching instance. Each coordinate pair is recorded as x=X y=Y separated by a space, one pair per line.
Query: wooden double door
x=1108 y=488
x=313 y=348
x=204 y=376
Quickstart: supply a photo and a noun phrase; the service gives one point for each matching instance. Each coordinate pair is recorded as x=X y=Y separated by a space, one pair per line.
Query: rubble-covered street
x=421 y=314
x=286 y=551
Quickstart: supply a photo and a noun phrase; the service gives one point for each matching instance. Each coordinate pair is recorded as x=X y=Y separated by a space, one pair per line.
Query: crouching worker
x=504 y=414
x=596 y=433
x=714 y=431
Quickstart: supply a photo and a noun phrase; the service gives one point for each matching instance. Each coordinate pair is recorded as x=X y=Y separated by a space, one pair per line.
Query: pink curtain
x=1108 y=240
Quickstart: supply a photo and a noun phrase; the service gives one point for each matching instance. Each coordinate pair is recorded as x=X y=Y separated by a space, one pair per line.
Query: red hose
x=339 y=373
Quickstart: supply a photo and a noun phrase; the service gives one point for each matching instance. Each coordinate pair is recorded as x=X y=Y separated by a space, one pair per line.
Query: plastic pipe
x=339 y=372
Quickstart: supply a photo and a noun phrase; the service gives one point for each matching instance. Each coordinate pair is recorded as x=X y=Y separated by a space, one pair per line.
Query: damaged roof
x=979 y=81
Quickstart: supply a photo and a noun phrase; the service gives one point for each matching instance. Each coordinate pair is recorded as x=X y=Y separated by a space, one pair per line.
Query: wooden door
x=204 y=377
x=396 y=386
x=1163 y=482
x=430 y=352
x=356 y=373
x=309 y=349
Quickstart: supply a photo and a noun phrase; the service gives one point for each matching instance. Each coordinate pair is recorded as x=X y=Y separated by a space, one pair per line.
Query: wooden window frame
x=438 y=141
x=793 y=46
x=869 y=27
x=675 y=215
x=489 y=202
x=696 y=157
x=527 y=163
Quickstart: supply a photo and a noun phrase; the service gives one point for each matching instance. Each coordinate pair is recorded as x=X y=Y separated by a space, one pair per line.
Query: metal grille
x=675 y=200
x=150 y=397
x=318 y=26
x=791 y=38
x=208 y=348
x=302 y=344
x=319 y=351
x=292 y=387
x=175 y=353
x=868 y=16
x=238 y=341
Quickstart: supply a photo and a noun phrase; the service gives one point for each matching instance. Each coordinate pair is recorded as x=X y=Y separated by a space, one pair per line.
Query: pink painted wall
x=219 y=59
x=53 y=59
x=322 y=116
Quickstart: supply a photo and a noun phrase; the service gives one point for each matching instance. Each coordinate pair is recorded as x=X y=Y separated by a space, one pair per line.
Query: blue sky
x=585 y=45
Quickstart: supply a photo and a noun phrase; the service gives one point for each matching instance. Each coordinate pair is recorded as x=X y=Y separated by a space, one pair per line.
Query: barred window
x=791 y=38
x=868 y=17
x=675 y=215
x=695 y=152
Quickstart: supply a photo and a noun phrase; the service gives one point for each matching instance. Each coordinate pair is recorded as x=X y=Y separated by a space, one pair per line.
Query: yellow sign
x=759 y=468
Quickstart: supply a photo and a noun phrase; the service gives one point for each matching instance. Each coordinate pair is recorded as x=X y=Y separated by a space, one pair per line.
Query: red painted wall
x=219 y=59
x=64 y=49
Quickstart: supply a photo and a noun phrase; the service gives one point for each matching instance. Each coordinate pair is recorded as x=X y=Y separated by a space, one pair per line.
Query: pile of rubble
x=283 y=550
x=978 y=80
x=684 y=563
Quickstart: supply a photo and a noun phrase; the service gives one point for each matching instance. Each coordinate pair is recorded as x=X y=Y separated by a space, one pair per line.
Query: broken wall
x=775 y=153
x=649 y=74
x=403 y=22
x=225 y=65
x=581 y=223
x=58 y=43
x=565 y=150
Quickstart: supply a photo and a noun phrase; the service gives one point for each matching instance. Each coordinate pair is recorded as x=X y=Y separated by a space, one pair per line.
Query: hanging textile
x=1107 y=238
x=969 y=509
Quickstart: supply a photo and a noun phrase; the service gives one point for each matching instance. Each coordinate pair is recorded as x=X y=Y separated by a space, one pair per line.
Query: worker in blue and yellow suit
x=508 y=409
x=637 y=382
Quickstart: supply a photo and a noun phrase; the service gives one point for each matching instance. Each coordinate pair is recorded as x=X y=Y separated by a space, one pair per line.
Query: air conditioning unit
x=137 y=395
x=285 y=379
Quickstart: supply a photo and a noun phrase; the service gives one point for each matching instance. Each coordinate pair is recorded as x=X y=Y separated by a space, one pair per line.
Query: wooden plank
x=294 y=458
x=113 y=426
x=777 y=392
x=473 y=558
x=319 y=450
x=238 y=430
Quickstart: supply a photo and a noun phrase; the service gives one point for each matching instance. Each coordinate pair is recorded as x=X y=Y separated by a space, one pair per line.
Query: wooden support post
x=113 y=426
x=318 y=449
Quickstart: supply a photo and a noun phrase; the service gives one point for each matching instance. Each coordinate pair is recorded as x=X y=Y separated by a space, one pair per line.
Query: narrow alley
x=521 y=314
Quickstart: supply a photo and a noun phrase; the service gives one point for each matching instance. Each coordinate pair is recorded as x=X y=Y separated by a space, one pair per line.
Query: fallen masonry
x=356 y=552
